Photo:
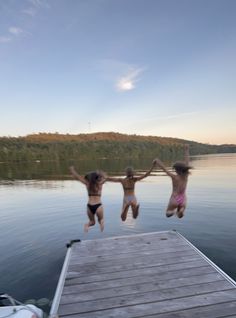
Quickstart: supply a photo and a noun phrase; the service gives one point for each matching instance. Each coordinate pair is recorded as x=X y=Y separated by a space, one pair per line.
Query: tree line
x=58 y=147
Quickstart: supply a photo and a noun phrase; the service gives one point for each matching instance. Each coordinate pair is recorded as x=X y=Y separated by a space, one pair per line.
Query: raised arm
x=147 y=173
x=76 y=175
x=186 y=154
x=161 y=165
x=112 y=179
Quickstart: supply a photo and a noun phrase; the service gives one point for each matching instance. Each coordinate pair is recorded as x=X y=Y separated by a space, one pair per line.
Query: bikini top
x=94 y=195
x=129 y=188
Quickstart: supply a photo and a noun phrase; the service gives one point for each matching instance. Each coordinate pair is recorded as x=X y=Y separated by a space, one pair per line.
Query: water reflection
x=37 y=184
x=227 y=161
x=59 y=170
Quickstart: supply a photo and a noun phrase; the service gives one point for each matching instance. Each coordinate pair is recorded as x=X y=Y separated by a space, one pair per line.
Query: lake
x=42 y=209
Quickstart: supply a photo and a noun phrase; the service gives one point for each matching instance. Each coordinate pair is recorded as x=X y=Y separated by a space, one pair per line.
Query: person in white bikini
x=128 y=183
x=178 y=200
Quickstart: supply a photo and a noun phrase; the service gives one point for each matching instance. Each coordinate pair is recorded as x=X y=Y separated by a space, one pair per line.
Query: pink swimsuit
x=180 y=198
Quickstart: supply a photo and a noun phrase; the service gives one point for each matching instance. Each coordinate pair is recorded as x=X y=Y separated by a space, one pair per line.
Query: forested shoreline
x=47 y=146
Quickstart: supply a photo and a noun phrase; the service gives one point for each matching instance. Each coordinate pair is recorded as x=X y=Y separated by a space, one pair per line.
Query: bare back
x=128 y=185
x=179 y=183
x=95 y=196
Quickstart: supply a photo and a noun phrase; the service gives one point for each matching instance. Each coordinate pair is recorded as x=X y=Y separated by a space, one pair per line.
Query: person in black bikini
x=93 y=182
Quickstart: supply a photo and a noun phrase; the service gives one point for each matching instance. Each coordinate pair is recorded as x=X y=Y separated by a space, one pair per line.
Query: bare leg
x=100 y=217
x=124 y=212
x=135 y=210
x=87 y=225
x=91 y=220
x=101 y=225
x=172 y=206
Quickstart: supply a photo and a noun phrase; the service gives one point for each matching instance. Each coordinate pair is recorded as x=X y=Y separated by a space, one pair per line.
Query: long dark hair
x=181 y=168
x=93 y=179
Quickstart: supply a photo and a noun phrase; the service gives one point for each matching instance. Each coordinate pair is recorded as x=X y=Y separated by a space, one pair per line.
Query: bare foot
x=102 y=225
x=86 y=227
x=180 y=213
x=123 y=216
x=169 y=213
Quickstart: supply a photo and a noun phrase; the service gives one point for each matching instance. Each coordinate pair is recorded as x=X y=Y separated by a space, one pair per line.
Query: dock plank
x=139 y=288
x=144 y=297
x=222 y=310
x=140 y=241
x=153 y=308
x=127 y=267
x=164 y=249
x=142 y=272
x=145 y=275
x=152 y=247
x=182 y=272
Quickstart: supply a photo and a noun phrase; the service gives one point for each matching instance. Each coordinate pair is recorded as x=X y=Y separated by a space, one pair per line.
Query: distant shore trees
x=57 y=147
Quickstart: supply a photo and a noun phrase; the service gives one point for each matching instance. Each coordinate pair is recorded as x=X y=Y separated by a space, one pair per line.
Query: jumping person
x=177 y=202
x=93 y=182
x=128 y=183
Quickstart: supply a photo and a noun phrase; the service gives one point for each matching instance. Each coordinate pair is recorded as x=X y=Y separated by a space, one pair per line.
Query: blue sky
x=148 y=67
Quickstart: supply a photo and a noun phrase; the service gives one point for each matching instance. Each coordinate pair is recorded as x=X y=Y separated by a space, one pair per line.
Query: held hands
x=156 y=162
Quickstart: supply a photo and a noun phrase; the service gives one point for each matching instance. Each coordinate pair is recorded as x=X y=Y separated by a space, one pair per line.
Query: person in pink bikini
x=178 y=200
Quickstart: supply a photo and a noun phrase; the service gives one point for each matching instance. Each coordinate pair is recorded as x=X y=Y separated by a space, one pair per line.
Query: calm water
x=38 y=217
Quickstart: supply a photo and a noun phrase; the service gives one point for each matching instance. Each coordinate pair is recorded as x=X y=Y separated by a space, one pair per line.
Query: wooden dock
x=146 y=275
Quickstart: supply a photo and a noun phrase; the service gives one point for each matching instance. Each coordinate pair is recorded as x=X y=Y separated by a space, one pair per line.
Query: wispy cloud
x=30 y=11
x=5 y=39
x=39 y=3
x=15 y=31
x=163 y=118
x=174 y=116
x=123 y=75
x=128 y=81
x=35 y=5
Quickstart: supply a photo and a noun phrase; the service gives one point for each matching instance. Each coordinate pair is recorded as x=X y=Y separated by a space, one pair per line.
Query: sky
x=147 y=67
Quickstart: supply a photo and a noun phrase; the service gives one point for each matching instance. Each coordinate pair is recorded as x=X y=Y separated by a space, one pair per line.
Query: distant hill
x=109 y=136
x=48 y=146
